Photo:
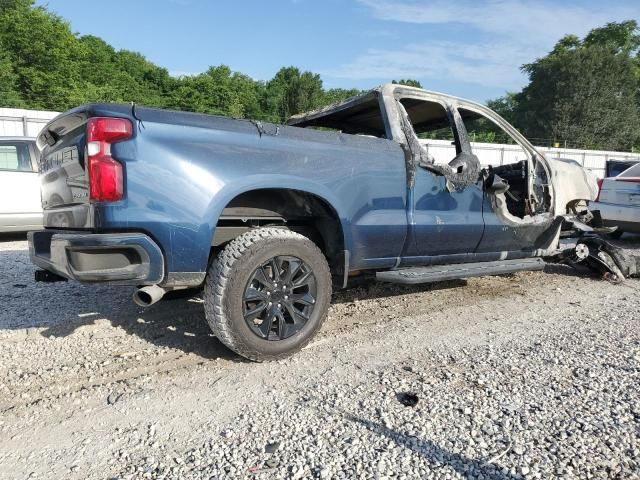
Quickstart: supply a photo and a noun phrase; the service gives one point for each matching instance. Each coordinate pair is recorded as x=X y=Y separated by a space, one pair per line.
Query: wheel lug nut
x=268 y=294
x=279 y=306
x=286 y=297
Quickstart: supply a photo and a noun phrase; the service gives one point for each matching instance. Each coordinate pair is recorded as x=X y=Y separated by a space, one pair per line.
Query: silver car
x=619 y=201
x=20 y=205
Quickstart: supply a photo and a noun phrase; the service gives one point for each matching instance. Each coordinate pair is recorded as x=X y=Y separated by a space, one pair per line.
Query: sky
x=468 y=48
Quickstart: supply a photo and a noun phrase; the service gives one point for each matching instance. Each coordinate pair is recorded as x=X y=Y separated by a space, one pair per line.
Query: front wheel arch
x=298 y=210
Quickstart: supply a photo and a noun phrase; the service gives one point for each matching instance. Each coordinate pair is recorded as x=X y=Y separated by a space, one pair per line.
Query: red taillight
x=600 y=180
x=106 y=179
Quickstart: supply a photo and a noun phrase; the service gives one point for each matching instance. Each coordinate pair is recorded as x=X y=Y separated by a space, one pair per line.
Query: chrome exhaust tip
x=147 y=296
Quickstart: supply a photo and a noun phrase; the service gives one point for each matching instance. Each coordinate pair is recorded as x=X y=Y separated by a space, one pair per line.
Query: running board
x=440 y=273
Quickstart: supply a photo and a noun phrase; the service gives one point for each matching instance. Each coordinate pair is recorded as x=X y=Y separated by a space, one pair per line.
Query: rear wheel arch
x=298 y=210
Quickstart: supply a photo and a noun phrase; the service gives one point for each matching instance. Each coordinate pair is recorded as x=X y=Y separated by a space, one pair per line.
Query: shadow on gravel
x=368 y=290
x=64 y=308
x=12 y=237
x=437 y=456
x=100 y=311
x=178 y=324
x=570 y=271
x=467 y=467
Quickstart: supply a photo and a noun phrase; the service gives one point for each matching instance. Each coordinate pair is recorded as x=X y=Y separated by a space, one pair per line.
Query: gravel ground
x=534 y=375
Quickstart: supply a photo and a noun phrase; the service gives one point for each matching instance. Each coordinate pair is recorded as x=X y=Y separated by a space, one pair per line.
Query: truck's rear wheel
x=267 y=293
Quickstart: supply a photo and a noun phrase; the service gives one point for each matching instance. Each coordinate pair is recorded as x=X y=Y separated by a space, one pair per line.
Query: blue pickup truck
x=269 y=218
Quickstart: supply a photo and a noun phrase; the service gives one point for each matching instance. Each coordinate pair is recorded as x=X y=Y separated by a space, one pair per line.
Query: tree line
x=44 y=65
x=585 y=91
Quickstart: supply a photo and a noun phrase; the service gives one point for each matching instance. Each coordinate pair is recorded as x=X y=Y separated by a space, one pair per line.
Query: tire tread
x=218 y=279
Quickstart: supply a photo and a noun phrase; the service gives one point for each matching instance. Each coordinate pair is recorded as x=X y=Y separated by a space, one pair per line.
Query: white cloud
x=487 y=65
x=522 y=21
x=509 y=33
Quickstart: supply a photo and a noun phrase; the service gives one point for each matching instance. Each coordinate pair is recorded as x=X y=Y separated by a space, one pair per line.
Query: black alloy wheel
x=279 y=297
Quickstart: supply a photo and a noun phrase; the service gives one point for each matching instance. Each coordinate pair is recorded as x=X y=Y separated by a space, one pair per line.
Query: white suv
x=20 y=205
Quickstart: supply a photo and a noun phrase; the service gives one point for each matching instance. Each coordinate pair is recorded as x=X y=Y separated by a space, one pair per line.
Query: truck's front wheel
x=267 y=293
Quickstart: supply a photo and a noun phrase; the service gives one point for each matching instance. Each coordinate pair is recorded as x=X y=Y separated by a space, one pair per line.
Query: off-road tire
x=227 y=279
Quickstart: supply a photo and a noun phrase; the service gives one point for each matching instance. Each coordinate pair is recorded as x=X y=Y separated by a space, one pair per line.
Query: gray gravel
x=534 y=375
x=564 y=406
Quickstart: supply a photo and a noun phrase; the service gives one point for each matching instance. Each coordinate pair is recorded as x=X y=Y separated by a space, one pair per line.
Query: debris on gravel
x=408 y=399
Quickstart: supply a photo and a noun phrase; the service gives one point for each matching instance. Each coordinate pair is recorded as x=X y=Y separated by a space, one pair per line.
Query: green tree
x=292 y=91
x=102 y=79
x=148 y=83
x=9 y=95
x=408 y=82
x=620 y=37
x=336 y=95
x=506 y=106
x=43 y=52
x=98 y=60
x=44 y=65
x=219 y=91
x=585 y=92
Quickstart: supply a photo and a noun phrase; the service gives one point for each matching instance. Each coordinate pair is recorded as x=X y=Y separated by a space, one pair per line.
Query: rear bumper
x=626 y=217
x=118 y=258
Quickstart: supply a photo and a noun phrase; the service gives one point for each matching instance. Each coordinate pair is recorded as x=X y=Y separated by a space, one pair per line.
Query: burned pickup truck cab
x=268 y=218
x=455 y=208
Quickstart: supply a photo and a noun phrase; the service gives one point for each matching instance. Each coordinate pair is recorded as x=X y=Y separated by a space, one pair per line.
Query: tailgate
x=77 y=169
x=64 y=183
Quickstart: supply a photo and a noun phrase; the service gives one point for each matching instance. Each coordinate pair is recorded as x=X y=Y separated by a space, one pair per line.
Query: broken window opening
x=525 y=193
x=428 y=119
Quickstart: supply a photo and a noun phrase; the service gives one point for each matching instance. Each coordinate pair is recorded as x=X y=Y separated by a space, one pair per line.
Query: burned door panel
x=445 y=200
x=515 y=204
x=501 y=235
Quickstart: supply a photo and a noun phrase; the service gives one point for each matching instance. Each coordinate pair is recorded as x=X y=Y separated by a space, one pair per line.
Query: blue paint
x=182 y=169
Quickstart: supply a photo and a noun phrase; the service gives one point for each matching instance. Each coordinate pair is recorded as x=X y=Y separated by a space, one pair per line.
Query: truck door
x=444 y=219
x=516 y=219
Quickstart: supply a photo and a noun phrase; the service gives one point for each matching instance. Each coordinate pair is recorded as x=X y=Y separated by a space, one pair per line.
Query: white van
x=20 y=204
